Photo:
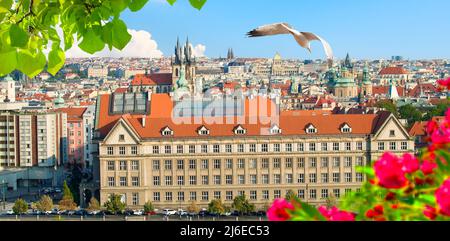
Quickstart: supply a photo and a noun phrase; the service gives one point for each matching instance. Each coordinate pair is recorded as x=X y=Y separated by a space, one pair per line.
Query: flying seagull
x=302 y=38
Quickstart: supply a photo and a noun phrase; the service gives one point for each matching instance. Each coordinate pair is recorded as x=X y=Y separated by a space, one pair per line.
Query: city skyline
x=412 y=29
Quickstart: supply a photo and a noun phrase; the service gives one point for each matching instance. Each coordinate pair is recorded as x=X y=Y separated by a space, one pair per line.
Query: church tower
x=184 y=58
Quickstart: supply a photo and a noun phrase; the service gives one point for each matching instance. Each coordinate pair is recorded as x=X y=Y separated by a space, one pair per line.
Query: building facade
x=149 y=158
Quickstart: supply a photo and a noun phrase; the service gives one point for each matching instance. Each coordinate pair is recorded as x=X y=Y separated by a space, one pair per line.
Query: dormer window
x=311 y=129
x=240 y=130
x=275 y=130
x=346 y=128
x=167 y=132
x=203 y=131
x=121 y=137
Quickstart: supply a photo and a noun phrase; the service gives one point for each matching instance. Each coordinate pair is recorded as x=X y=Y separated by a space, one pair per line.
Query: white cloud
x=141 y=46
x=198 y=50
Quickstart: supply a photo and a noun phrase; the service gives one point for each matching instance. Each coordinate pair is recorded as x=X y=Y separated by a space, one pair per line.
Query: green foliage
x=67 y=202
x=45 y=204
x=67 y=194
x=388 y=105
x=193 y=208
x=216 y=206
x=438 y=110
x=290 y=195
x=114 y=204
x=28 y=28
x=242 y=205
x=94 y=205
x=410 y=113
x=148 y=207
x=20 y=206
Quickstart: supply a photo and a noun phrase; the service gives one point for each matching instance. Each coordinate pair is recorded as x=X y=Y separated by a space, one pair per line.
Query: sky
x=367 y=29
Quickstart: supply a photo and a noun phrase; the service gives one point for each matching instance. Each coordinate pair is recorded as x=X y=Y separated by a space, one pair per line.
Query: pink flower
x=443 y=198
x=334 y=214
x=444 y=83
x=410 y=163
x=430 y=212
x=390 y=172
x=428 y=167
x=431 y=127
x=441 y=136
x=278 y=210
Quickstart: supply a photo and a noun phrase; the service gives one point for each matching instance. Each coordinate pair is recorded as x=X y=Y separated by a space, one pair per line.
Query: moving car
x=182 y=212
x=168 y=212
x=138 y=212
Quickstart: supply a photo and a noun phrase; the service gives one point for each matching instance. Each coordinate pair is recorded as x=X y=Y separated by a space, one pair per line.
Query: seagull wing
x=271 y=29
x=326 y=45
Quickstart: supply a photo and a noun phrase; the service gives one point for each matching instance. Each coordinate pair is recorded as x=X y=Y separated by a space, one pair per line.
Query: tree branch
x=29 y=13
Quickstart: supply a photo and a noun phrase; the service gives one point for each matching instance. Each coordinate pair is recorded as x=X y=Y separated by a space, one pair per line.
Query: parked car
x=203 y=213
x=261 y=214
x=80 y=212
x=235 y=214
x=182 y=212
x=151 y=213
x=138 y=212
x=57 y=190
x=94 y=212
x=226 y=214
x=10 y=212
x=128 y=212
x=55 y=211
x=168 y=212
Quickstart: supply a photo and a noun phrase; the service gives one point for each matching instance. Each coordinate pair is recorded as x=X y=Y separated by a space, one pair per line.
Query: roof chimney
x=143 y=120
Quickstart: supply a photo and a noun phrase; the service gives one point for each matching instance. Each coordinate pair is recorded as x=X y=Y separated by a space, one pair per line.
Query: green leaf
x=5 y=5
x=56 y=59
x=115 y=33
x=117 y=6
x=171 y=2
x=19 y=38
x=9 y=62
x=137 y=5
x=91 y=43
x=30 y=64
x=198 y=4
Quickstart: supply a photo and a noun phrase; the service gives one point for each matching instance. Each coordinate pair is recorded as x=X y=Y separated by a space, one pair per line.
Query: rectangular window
x=180 y=164
x=300 y=147
x=135 y=181
x=265 y=179
x=241 y=163
x=359 y=161
x=110 y=150
x=156 y=181
x=277 y=163
x=169 y=196
x=205 y=164
x=324 y=177
x=156 y=196
x=324 y=162
x=135 y=165
x=300 y=162
x=217 y=164
x=168 y=149
x=404 y=145
x=253 y=163
x=241 y=179
x=301 y=178
x=301 y=194
x=252 y=195
x=168 y=181
x=193 y=196
x=313 y=178
x=265 y=194
x=289 y=179
x=288 y=147
x=180 y=149
x=155 y=149
x=336 y=177
x=359 y=146
x=204 y=148
x=134 y=150
x=277 y=194
x=180 y=180
x=205 y=180
x=324 y=146
x=348 y=177
x=252 y=147
x=135 y=198
x=240 y=148
x=276 y=147
x=313 y=194
x=192 y=180
x=312 y=162
x=111 y=181
x=168 y=164
x=253 y=179
x=337 y=193
x=229 y=163
x=111 y=166
x=336 y=162
x=359 y=177
x=276 y=178
x=288 y=163
x=228 y=148
x=335 y=146
x=180 y=196
x=192 y=164
x=191 y=149
x=229 y=195
x=264 y=147
x=217 y=195
x=229 y=179
x=312 y=146
x=205 y=196
x=347 y=161
x=381 y=146
x=265 y=163
x=324 y=193
x=393 y=146
x=216 y=148
x=122 y=165
x=217 y=180
x=348 y=146
x=121 y=150
x=123 y=181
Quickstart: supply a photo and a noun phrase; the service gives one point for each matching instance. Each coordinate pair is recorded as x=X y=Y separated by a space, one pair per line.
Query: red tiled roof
x=426 y=88
x=74 y=113
x=121 y=90
x=393 y=71
x=152 y=79
x=384 y=90
x=291 y=122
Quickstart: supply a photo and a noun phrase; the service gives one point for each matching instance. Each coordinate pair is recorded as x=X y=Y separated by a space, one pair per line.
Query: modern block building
x=145 y=155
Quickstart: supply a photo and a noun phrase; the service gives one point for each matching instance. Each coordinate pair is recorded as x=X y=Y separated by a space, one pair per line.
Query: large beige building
x=145 y=156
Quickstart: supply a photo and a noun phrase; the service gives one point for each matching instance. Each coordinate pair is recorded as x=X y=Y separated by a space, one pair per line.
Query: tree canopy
x=34 y=34
x=20 y=206
x=115 y=204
